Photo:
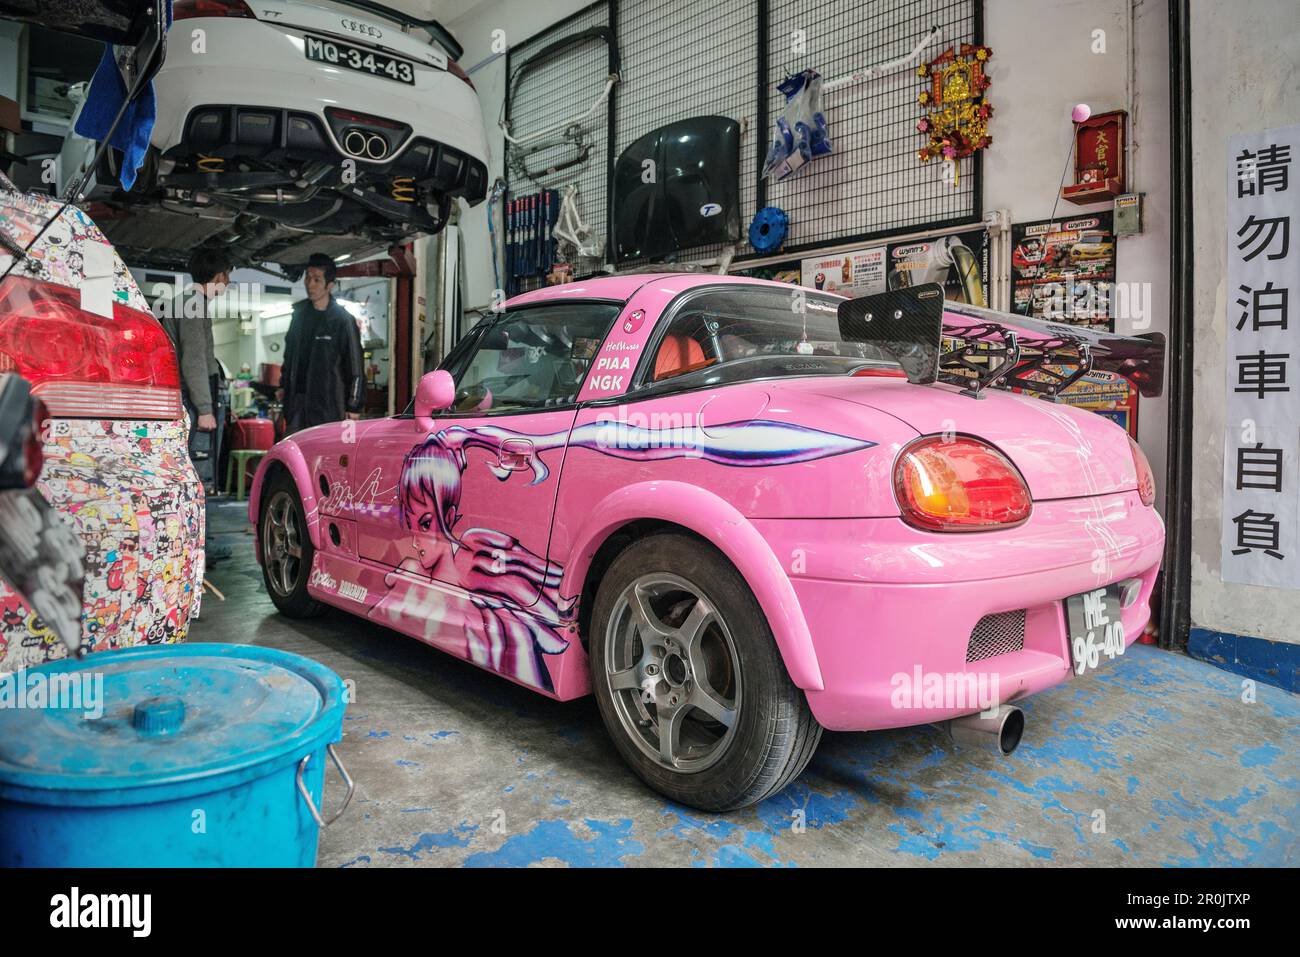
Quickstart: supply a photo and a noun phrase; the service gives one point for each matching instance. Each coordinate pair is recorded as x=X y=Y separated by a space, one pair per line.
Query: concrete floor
x=1153 y=761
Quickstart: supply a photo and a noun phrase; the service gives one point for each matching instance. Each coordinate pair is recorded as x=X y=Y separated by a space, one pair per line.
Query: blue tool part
x=767 y=231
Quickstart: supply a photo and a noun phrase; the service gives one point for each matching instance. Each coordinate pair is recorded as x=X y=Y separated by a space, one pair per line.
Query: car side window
x=533 y=358
x=735 y=324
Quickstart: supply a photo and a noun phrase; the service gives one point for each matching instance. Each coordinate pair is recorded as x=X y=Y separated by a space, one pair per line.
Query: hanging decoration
x=957 y=114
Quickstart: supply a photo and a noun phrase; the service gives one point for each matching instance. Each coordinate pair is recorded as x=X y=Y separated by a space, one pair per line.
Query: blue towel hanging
x=103 y=100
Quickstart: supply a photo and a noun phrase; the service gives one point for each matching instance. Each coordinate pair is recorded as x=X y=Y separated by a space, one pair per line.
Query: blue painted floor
x=1157 y=759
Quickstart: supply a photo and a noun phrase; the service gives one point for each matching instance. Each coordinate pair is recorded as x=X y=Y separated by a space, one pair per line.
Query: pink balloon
x=1081 y=112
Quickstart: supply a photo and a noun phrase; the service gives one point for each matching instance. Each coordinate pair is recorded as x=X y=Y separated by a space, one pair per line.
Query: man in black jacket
x=322 y=379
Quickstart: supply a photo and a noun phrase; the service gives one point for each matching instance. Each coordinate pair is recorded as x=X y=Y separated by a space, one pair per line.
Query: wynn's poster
x=960 y=261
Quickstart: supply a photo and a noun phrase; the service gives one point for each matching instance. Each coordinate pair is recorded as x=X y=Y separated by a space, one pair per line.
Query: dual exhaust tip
x=999 y=731
x=364 y=145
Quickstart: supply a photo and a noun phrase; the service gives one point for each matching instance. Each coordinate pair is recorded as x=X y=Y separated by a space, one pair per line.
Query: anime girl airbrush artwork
x=512 y=631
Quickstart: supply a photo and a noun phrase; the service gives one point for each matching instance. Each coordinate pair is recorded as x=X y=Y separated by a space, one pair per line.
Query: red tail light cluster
x=187 y=9
x=84 y=365
x=1146 y=478
x=958 y=485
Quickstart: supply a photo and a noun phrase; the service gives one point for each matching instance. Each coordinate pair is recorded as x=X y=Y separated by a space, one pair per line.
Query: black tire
x=772 y=733
x=287 y=583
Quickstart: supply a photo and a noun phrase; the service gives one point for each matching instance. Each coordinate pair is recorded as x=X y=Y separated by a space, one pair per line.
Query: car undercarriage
x=269 y=185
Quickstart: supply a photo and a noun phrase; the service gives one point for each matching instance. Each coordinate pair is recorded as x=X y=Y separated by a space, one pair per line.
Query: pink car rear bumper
x=887 y=605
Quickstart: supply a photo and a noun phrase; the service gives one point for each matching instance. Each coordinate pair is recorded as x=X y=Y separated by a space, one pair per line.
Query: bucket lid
x=162 y=714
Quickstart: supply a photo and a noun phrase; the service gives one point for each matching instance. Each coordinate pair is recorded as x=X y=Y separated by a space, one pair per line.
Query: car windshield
x=732 y=333
x=531 y=358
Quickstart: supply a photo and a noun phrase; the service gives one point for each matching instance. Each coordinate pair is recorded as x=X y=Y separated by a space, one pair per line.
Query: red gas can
x=253 y=434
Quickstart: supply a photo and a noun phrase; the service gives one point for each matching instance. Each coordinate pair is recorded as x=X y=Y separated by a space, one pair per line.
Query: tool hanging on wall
x=767 y=231
x=530 y=232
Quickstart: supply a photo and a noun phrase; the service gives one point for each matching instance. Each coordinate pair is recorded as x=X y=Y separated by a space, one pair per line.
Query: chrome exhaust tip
x=376 y=147
x=354 y=141
x=999 y=730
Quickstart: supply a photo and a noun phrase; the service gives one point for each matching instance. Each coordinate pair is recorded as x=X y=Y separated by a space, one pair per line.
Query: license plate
x=1096 y=631
x=362 y=61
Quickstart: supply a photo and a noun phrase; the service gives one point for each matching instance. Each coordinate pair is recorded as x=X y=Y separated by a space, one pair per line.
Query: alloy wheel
x=282 y=544
x=673 y=672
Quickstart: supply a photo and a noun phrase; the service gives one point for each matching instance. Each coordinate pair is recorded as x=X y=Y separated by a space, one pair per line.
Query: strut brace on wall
x=574 y=137
x=880 y=69
x=573 y=234
x=545 y=55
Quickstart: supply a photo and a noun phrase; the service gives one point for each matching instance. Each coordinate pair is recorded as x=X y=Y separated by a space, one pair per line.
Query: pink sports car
x=739 y=512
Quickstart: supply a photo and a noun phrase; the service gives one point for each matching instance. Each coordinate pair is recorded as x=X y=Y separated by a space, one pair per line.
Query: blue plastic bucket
x=201 y=755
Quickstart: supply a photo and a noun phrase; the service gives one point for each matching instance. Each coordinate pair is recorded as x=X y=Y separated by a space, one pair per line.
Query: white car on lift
x=287 y=128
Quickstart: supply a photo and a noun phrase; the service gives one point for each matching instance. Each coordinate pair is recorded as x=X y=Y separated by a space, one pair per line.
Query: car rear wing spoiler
x=934 y=340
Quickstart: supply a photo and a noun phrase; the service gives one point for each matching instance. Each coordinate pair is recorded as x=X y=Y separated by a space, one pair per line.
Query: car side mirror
x=437 y=392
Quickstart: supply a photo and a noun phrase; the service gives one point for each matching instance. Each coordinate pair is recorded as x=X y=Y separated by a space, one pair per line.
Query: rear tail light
x=959 y=485
x=82 y=364
x=187 y=9
x=455 y=70
x=1145 y=477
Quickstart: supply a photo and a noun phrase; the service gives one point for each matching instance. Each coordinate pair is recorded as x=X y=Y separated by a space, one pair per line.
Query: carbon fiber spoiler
x=934 y=340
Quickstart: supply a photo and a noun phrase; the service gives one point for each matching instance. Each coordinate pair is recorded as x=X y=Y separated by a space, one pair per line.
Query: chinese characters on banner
x=1261 y=477
x=858 y=273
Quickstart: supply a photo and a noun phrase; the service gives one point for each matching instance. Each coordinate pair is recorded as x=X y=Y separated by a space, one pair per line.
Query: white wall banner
x=1261 y=463
x=858 y=273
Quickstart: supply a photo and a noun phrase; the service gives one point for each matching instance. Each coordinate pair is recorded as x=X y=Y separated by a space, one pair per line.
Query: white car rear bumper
x=250 y=63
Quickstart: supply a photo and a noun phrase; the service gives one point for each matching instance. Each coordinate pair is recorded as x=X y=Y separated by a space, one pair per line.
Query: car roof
x=623 y=287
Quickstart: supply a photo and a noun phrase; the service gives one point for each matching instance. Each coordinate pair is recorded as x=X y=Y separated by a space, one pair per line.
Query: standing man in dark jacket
x=190 y=327
x=322 y=379
x=189 y=324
